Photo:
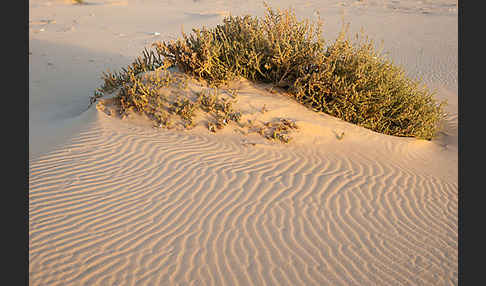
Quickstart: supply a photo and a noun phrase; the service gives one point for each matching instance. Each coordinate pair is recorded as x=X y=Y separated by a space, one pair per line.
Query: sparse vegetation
x=279 y=130
x=351 y=81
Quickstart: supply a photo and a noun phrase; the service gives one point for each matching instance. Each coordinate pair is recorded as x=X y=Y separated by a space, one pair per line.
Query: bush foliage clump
x=351 y=81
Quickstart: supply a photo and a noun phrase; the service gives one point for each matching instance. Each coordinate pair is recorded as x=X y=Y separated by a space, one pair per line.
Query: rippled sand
x=113 y=202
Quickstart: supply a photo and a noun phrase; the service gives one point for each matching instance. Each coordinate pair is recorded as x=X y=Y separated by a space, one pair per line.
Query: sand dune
x=117 y=202
x=125 y=205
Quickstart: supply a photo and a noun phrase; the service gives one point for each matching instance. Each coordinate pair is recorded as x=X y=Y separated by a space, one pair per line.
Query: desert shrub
x=148 y=61
x=349 y=80
x=357 y=84
x=274 y=49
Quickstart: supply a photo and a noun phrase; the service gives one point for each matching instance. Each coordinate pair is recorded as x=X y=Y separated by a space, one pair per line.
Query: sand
x=118 y=202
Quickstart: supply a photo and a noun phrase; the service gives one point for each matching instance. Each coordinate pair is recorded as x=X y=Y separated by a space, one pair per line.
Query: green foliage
x=213 y=103
x=351 y=81
x=220 y=108
x=267 y=50
x=149 y=61
x=185 y=109
x=280 y=130
x=359 y=85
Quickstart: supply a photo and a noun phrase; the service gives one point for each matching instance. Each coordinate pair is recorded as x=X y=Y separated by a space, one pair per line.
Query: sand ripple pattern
x=140 y=207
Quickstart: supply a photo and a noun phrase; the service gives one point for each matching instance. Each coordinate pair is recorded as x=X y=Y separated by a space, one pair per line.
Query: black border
x=460 y=96
x=15 y=95
x=24 y=54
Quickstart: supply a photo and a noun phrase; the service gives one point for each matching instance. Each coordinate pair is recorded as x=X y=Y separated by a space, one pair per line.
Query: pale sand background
x=114 y=202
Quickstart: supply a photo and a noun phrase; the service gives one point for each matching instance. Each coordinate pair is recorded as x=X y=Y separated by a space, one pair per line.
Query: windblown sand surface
x=117 y=202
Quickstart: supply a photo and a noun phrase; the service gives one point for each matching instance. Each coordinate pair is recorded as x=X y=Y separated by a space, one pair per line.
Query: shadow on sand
x=61 y=80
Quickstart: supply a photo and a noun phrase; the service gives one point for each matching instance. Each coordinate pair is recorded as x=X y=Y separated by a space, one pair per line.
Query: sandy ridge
x=126 y=204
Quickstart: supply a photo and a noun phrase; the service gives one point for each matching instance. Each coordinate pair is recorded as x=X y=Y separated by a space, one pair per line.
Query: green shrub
x=274 y=49
x=358 y=85
x=351 y=81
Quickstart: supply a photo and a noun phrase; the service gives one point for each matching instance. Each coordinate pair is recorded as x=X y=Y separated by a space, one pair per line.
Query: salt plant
x=279 y=131
x=351 y=81
x=112 y=81
x=220 y=108
x=185 y=109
